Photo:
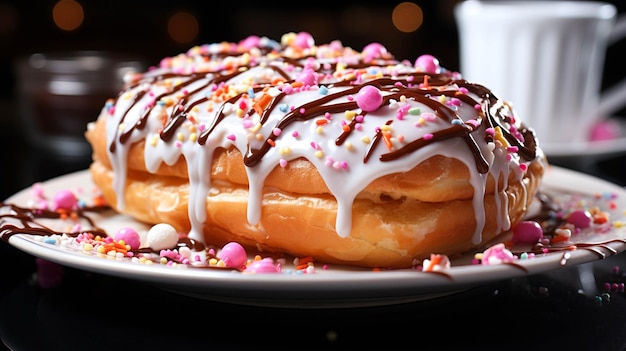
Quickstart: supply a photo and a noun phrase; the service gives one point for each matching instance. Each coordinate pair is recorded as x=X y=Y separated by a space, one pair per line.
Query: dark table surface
x=553 y=310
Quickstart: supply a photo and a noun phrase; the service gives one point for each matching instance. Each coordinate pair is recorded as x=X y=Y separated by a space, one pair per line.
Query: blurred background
x=144 y=32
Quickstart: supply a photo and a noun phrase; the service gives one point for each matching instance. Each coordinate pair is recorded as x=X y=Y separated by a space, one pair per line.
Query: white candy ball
x=162 y=236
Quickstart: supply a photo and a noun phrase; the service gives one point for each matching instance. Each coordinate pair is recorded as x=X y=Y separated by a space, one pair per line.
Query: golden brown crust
x=304 y=225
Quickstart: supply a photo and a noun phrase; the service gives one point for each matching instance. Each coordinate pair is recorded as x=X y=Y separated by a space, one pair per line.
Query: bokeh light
x=407 y=17
x=68 y=14
x=183 y=27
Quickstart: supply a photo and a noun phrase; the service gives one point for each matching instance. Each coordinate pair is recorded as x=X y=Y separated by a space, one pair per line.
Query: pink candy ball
x=373 y=51
x=64 y=200
x=250 y=42
x=265 y=265
x=233 y=255
x=130 y=237
x=605 y=130
x=580 y=219
x=304 y=40
x=428 y=64
x=527 y=232
x=307 y=77
x=369 y=98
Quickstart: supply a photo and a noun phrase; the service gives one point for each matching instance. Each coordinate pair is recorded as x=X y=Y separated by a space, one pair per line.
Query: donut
x=316 y=150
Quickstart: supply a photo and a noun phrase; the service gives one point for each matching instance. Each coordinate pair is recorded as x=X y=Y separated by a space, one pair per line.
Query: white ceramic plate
x=335 y=286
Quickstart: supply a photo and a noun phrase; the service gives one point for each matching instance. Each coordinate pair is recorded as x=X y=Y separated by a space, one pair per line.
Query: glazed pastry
x=349 y=157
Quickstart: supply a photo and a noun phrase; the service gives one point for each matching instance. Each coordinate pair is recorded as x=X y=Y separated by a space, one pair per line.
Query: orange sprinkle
x=262 y=103
x=305 y=260
x=297 y=84
x=346 y=128
x=387 y=139
x=271 y=142
x=278 y=81
x=321 y=121
x=426 y=77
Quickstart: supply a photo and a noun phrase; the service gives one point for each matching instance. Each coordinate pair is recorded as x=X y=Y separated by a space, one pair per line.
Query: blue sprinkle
x=456 y=122
x=50 y=241
x=251 y=93
x=283 y=108
x=323 y=90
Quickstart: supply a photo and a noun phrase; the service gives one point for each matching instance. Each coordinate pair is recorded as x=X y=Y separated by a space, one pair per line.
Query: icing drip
x=280 y=102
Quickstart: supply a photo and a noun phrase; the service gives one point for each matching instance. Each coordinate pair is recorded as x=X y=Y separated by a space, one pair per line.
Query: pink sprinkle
x=490 y=131
x=315 y=145
x=38 y=191
x=295 y=134
x=428 y=136
x=302 y=110
x=276 y=131
x=477 y=107
x=329 y=161
x=231 y=137
x=282 y=162
x=359 y=118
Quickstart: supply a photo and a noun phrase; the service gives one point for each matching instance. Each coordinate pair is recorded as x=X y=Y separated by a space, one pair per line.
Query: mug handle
x=613 y=98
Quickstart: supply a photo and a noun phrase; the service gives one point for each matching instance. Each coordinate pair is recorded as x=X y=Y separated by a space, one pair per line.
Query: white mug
x=546 y=58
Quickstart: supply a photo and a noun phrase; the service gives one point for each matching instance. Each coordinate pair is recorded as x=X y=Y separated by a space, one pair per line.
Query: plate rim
x=321 y=287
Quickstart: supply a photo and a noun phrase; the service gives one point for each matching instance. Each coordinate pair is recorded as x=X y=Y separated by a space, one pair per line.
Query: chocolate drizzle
x=395 y=87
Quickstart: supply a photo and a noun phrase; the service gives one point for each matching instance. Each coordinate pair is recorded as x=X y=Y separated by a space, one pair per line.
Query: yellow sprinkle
x=87 y=247
x=256 y=128
x=349 y=146
x=100 y=249
x=121 y=127
x=284 y=151
x=257 y=257
x=142 y=260
x=195 y=109
x=402 y=98
x=350 y=114
x=319 y=130
x=213 y=262
x=260 y=137
x=365 y=139
x=221 y=263
x=421 y=121
x=442 y=99
x=193 y=137
x=154 y=140
x=240 y=113
x=499 y=137
x=163 y=260
x=180 y=136
x=385 y=128
x=149 y=262
x=192 y=128
x=319 y=154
